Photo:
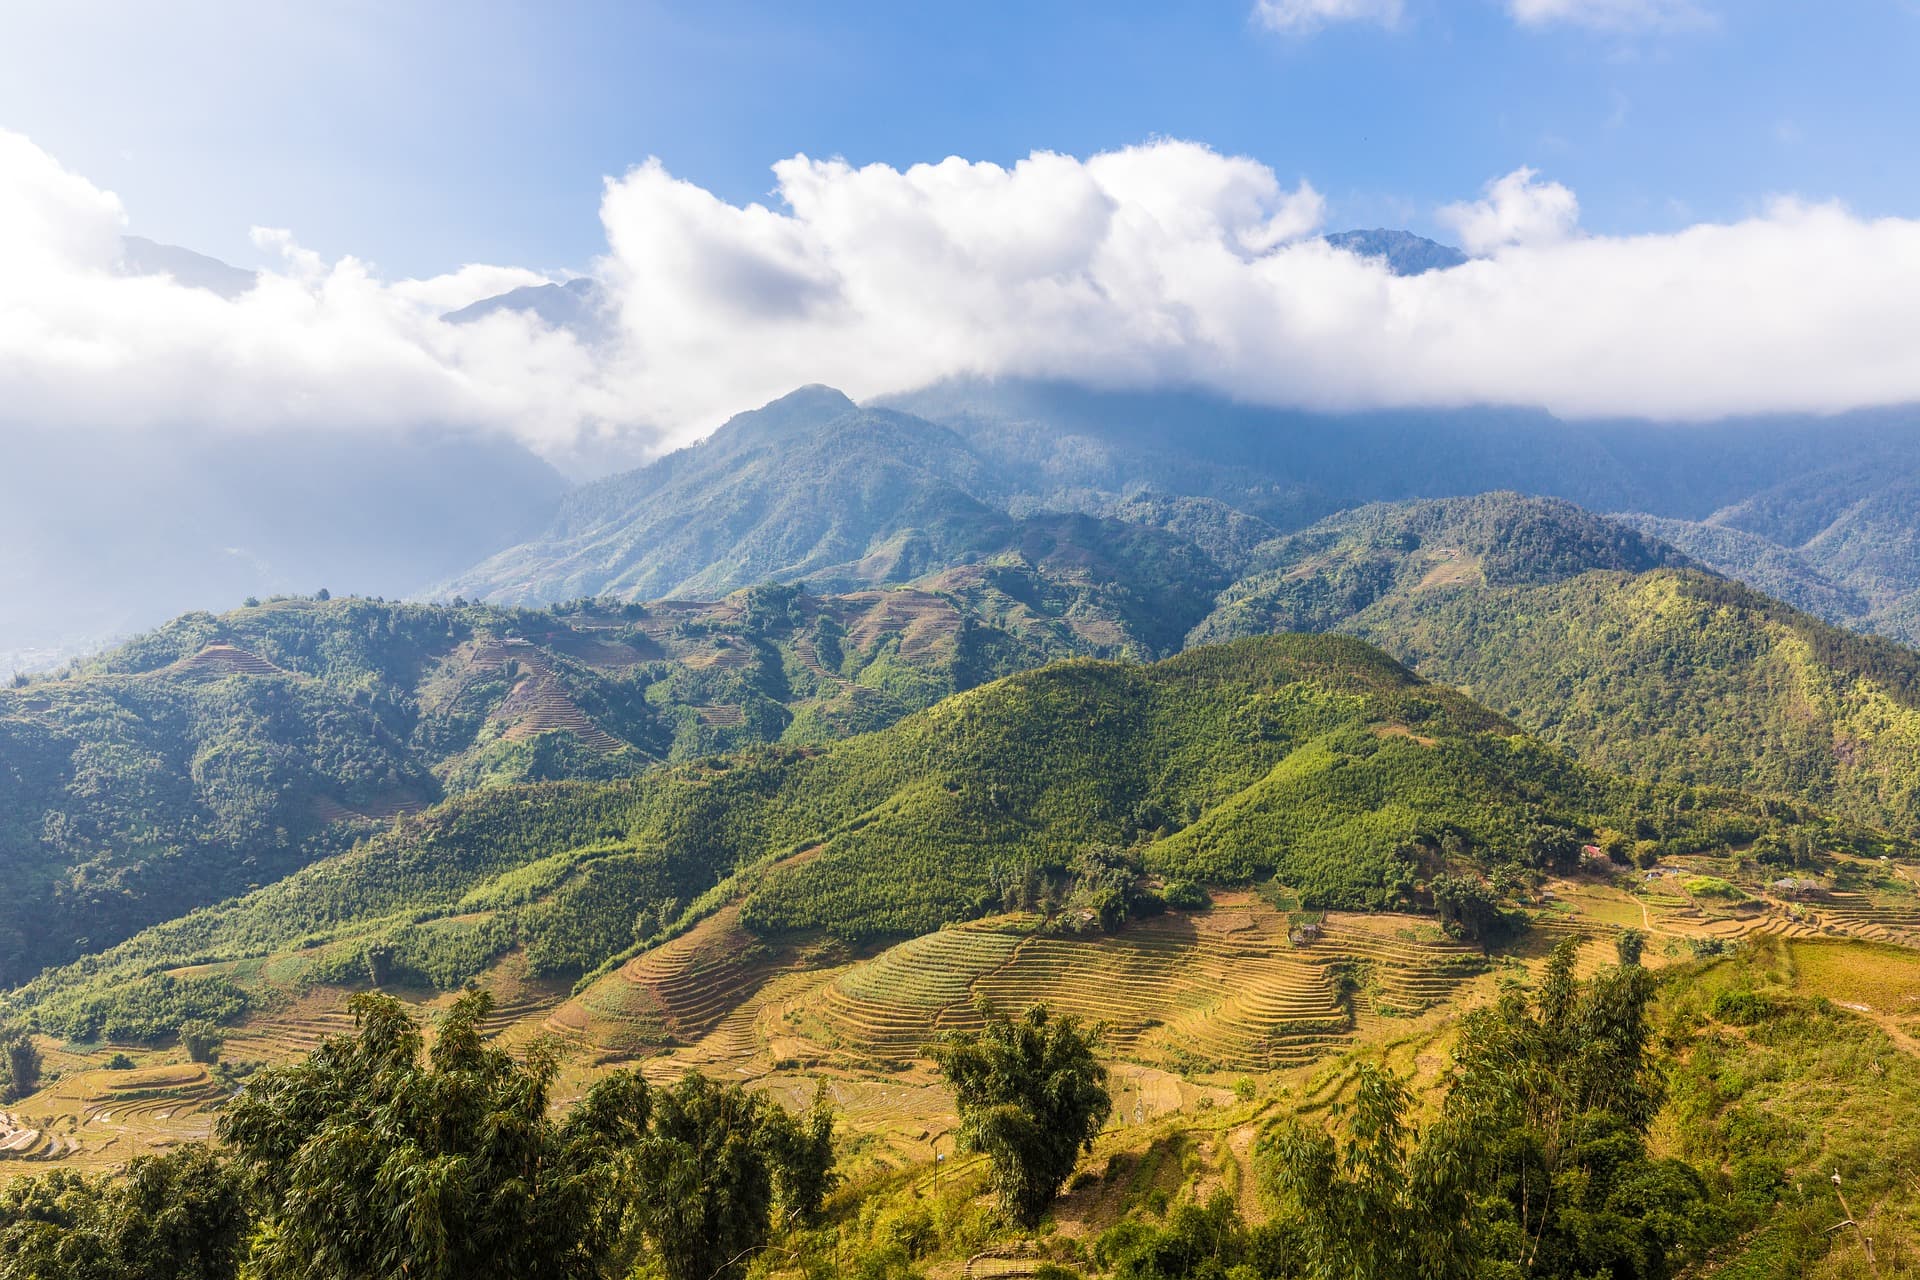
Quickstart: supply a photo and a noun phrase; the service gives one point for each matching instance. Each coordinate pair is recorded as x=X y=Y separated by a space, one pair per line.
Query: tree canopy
x=1031 y=1095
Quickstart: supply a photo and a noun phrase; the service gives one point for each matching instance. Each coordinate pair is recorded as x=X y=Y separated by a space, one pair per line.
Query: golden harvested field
x=1865 y=976
x=1193 y=1004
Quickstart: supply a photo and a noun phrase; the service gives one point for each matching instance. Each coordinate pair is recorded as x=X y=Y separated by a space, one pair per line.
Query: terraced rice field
x=721 y=654
x=1876 y=919
x=925 y=623
x=288 y=1032
x=91 y=1117
x=894 y=1004
x=538 y=702
x=225 y=660
x=1191 y=1002
x=674 y=993
x=602 y=655
x=1225 y=991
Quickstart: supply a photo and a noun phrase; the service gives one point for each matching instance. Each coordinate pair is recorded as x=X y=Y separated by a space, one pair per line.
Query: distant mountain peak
x=140 y=256
x=579 y=305
x=804 y=407
x=1406 y=254
x=815 y=397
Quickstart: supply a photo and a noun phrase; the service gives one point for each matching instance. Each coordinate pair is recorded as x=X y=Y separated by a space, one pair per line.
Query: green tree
x=1199 y=1241
x=715 y=1160
x=22 y=1064
x=1031 y=1095
x=181 y=1216
x=1470 y=908
x=201 y=1039
x=801 y=1149
x=371 y=1158
x=1383 y=1203
x=1553 y=1097
x=1630 y=946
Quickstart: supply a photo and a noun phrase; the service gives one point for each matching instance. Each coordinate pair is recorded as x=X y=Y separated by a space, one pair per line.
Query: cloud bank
x=1161 y=264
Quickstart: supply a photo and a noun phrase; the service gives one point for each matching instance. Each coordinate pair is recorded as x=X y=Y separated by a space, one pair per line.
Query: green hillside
x=221 y=752
x=1838 y=541
x=1683 y=677
x=1316 y=760
x=1580 y=631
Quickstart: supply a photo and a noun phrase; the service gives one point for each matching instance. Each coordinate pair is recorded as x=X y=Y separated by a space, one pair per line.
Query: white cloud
x=314 y=345
x=1609 y=15
x=1162 y=264
x=1516 y=209
x=1300 y=16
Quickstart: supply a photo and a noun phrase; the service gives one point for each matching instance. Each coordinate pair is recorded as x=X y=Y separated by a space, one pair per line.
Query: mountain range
x=1811 y=510
x=222 y=752
x=1274 y=737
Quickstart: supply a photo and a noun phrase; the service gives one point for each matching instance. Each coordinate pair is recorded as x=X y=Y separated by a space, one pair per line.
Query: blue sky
x=1674 y=209
x=423 y=135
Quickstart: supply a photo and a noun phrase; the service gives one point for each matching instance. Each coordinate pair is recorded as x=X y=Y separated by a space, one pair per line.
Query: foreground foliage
x=380 y=1156
x=1031 y=1096
x=180 y=1216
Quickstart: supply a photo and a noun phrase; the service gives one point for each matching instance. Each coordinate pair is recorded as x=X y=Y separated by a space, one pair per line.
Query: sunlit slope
x=1314 y=759
x=1683 y=677
x=1600 y=639
x=219 y=753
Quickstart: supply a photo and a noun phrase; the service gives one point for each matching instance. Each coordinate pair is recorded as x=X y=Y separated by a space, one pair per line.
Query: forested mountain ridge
x=1314 y=759
x=221 y=752
x=808 y=487
x=1605 y=641
x=1841 y=541
x=1314 y=579
x=815 y=488
x=1687 y=677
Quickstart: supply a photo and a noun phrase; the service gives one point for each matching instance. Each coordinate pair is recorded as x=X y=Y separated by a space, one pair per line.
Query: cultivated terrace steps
x=1224 y=990
x=538 y=701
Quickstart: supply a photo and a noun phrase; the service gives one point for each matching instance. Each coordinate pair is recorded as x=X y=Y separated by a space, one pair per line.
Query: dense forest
x=1606 y=642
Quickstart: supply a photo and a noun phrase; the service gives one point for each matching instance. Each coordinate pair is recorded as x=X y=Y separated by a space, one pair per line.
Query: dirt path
x=1886 y=1024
